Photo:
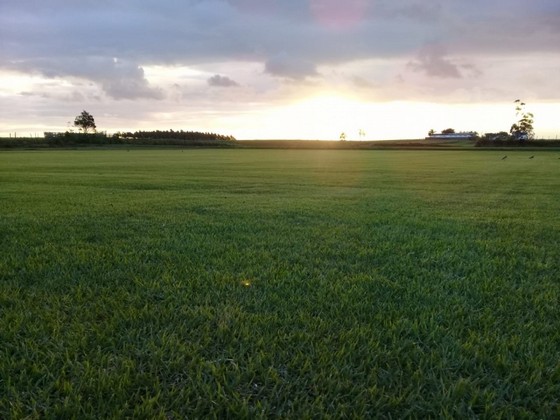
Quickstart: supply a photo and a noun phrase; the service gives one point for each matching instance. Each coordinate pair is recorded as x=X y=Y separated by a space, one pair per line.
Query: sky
x=280 y=69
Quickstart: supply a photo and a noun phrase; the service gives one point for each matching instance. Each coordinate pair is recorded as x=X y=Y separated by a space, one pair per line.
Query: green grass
x=354 y=144
x=294 y=284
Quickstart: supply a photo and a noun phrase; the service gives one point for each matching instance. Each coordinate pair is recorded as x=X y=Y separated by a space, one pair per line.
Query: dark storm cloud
x=291 y=38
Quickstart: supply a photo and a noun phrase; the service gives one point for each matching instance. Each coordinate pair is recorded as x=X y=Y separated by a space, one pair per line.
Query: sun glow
x=12 y=83
x=326 y=117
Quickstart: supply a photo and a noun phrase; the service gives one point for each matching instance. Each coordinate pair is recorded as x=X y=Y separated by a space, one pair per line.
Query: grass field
x=277 y=283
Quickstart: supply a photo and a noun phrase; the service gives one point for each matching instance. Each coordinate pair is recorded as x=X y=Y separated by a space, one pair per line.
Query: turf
x=293 y=284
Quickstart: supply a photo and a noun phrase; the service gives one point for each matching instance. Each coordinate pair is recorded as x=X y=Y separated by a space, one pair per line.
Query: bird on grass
x=505 y=157
x=531 y=157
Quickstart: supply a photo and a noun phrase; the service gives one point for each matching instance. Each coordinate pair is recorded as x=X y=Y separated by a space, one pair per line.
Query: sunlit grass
x=254 y=283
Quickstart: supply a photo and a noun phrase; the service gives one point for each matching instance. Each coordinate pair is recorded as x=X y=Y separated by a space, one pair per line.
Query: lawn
x=279 y=283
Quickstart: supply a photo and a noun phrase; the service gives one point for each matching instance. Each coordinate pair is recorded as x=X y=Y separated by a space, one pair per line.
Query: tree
x=342 y=136
x=501 y=136
x=361 y=133
x=431 y=132
x=523 y=128
x=85 y=122
x=448 y=131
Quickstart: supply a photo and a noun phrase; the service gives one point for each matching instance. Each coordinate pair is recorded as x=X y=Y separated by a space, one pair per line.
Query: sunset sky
x=280 y=69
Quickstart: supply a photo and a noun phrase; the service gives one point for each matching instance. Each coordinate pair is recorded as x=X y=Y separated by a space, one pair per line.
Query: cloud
x=314 y=33
x=432 y=61
x=119 y=79
x=126 y=80
x=470 y=70
x=338 y=14
x=361 y=83
x=290 y=67
x=222 y=81
x=419 y=11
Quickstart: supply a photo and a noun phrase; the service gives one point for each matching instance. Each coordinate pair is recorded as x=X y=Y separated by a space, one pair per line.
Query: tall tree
x=523 y=128
x=85 y=122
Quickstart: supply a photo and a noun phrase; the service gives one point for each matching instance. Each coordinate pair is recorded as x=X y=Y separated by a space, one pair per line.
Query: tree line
x=88 y=134
x=172 y=134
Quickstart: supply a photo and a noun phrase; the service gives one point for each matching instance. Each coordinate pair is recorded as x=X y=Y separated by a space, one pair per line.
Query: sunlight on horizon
x=320 y=116
x=325 y=117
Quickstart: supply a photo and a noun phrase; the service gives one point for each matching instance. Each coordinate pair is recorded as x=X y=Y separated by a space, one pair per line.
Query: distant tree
x=431 y=132
x=501 y=136
x=361 y=133
x=448 y=131
x=85 y=122
x=172 y=135
x=342 y=136
x=523 y=128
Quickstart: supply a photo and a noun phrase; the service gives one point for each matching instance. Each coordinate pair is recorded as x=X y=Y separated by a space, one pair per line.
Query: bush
x=69 y=138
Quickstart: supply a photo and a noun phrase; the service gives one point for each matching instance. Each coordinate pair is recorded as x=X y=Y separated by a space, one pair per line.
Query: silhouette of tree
x=448 y=131
x=173 y=135
x=342 y=136
x=523 y=128
x=85 y=122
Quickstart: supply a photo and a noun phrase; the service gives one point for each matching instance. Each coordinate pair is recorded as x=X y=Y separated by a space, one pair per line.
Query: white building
x=465 y=135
